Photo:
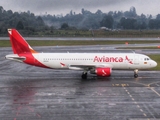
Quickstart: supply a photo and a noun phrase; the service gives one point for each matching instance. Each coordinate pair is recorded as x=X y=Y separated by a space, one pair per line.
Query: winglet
x=19 y=44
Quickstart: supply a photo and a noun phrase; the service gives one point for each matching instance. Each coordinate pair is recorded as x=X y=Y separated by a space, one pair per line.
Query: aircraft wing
x=88 y=67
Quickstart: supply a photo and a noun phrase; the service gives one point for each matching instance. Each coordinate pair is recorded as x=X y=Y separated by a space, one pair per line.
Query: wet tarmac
x=31 y=93
x=85 y=38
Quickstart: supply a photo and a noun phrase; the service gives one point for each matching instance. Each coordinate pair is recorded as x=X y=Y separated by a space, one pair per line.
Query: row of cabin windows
x=146 y=59
x=78 y=59
x=66 y=59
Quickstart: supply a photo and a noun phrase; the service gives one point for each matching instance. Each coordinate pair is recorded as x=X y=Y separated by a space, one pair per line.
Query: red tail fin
x=19 y=44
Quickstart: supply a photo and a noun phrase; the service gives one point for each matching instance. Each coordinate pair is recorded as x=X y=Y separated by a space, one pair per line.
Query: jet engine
x=104 y=72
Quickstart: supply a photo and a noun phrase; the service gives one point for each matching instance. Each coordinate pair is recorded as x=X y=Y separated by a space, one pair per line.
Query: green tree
x=1 y=9
x=20 y=26
x=107 y=21
x=40 y=22
x=128 y=23
x=154 y=24
x=65 y=26
x=158 y=17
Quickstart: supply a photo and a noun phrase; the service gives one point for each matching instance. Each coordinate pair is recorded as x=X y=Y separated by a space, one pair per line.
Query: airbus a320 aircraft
x=100 y=64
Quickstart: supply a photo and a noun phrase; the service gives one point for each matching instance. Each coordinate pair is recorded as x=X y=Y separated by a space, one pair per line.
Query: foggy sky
x=64 y=6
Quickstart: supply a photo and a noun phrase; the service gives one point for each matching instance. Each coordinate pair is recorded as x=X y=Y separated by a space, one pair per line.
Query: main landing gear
x=135 y=73
x=84 y=75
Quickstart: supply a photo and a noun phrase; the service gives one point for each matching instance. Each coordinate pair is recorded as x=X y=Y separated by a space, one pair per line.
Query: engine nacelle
x=104 y=72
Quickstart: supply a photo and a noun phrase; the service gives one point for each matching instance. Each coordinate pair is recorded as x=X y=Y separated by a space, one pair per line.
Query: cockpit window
x=146 y=59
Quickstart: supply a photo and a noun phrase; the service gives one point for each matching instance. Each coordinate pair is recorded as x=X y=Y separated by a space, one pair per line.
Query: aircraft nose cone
x=154 y=64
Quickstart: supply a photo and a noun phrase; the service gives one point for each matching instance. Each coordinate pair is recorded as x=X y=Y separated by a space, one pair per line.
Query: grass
x=101 y=33
x=156 y=57
x=134 y=48
x=6 y=43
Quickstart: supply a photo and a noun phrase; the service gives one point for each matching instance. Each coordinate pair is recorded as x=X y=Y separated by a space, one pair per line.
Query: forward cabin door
x=136 y=60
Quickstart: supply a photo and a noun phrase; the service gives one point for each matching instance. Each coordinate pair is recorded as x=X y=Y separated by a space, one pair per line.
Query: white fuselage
x=112 y=60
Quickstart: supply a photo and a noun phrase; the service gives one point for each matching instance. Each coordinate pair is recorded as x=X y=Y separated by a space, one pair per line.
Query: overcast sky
x=64 y=6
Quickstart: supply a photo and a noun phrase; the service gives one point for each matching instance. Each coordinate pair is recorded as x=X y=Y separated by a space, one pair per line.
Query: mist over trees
x=22 y=21
x=128 y=20
x=31 y=24
x=88 y=20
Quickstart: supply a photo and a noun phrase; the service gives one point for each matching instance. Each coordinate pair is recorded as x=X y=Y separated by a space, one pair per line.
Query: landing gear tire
x=135 y=75
x=84 y=76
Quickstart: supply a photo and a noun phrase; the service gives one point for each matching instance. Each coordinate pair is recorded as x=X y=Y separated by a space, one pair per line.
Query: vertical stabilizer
x=19 y=44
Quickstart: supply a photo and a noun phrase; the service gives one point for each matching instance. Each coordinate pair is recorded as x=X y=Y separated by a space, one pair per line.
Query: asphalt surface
x=31 y=93
x=84 y=38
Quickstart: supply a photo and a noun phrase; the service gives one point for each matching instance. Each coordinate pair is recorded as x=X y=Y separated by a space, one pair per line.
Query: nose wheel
x=84 y=75
x=135 y=73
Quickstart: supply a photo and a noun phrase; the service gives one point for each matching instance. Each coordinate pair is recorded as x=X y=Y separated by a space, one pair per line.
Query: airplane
x=100 y=64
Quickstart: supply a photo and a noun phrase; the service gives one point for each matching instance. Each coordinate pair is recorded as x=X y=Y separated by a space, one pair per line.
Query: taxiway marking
x=155 y=91
x=144 y=114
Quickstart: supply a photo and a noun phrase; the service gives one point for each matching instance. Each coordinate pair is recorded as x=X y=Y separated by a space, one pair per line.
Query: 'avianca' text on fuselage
x=107 y=59
x=100 y=64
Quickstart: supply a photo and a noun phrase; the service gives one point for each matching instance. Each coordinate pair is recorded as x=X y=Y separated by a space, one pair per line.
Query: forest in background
x=30 y=24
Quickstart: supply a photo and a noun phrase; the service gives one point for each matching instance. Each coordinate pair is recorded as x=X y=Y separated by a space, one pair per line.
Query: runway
x=85 y=38
x=31 y=93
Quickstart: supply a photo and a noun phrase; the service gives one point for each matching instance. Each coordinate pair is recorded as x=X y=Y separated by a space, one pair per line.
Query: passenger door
x=136 y=60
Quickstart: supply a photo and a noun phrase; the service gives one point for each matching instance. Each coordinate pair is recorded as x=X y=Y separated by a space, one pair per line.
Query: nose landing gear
x=135 y=73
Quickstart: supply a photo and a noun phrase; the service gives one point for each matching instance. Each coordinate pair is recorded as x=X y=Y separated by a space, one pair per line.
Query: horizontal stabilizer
x=15 y=57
